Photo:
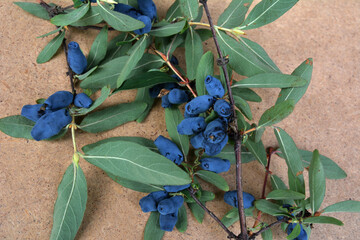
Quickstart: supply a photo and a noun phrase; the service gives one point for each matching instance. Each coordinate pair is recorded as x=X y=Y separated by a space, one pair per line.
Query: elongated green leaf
x=136 y=186
x=70 y=204
x=197 y=211
x=205 y=67
x=135 y=162
x=270 y=80
x=228 y=153
x=270 y=208
x=173 y=117
x=193 y=52
x=317 y=183
x=230 y=217
x=119 y=21
x=189 y=8
x=258 y=150
x=246 y=94
x=34 y=9
x=152 y=228
x=114 y=50
x=304 y=71
x=98 y=48
x=73 y=16
x=88 y=73
x=296 y=183
x=204 y=34
x=324 y=220
x=214 y=179
x=92 y=17
x=267 y=235
x=291 y=154
x=106 y=74
x=182 y=223
x=234 y=14
x=143 y=95
x=243 y=107
x=276 y=113
x=345 y=206
x=147 y=79
x=51 y=48
x=168 y=30
x=136 y=53
x=295 y=232
x=17 y=126
x=173 y=12
x=105 y=91
x=277 y=183
x=52 y=32
x=281 y=194
x=266 y=12
x=112 y=117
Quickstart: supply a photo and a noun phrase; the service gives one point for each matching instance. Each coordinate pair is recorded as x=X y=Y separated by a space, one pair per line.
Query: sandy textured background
x=326 y=118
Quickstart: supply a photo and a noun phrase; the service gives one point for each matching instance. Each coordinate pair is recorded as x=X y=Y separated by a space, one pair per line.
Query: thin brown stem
x=253 y=236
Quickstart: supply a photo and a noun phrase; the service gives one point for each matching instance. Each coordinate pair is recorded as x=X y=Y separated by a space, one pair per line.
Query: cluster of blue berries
x=53 y=115
x=232 y=199
x=303 y=234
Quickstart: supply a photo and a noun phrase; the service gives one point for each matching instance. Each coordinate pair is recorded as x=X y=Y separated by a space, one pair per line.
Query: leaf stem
x=232 y=31
x=73 y=127
x=237 y=147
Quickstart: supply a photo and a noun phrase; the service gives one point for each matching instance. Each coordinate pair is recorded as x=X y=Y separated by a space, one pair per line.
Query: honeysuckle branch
x=237 y=147
x=229 y=30
x=230 y=233
x=254 y=235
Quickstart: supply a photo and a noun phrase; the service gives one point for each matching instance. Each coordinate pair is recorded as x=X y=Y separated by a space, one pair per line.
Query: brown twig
x=253 y=236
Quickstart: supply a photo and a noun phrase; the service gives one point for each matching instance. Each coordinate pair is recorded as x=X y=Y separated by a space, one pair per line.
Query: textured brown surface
x=327 y=118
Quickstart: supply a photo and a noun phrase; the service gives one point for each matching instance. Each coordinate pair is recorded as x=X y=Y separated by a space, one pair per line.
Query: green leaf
x=136 y=186
x=112 y=117
x=317 y=183
x=167 y=30
x=270 y=80
x=331 y=169
x=193 y=52
x=277 y=183
x=70 y=204
x=267 y=235
x=228 y=153
x=135 y=162
x=173 y=117
x=114 y=50
x=258 y=150
x=295 y=232
x=143 y=95
x=119 y=21
x=304 y=71
x=246 y=94
x=234 y=14
x=189 y=8
x=281 y=194
x=92 y=17
x=207 y=196
x=85 y=75
x=230 y=217
x=214 y=179
x=290 y=151
x=243 y=107
x=152 y=228
x=242 y=59
x=205 y=67
x=197 y=211
x=345 y=206
x=276 y=113
x=296 y=183
x=136 y=53
x=105 y=91
x=17 y=126
x=147 y=79
x=323 y=219
x=266 y=12
x=181 y=224
x=73 y=16
x=173 y=12
x=34 y=9
x=52 y=32
x=106 y=74
x=204 y=34
x=258 y=134
x=270 y=208
x=51 y=48
x=98 y=49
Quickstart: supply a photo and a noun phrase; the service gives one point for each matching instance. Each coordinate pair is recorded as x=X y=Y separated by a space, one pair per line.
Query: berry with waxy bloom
x=214 y=87
x=222 y=108
x=169 y=149
x=190 y=126
x=167 y=222
x=58 y=100
x=302 y=236
x=148 y=8
x=215 y=164
x=199 y=104
x=82 y=100
x=177 y=96
x=231 y=199
x=170 y=205
x=76 y=59
x=176 y=188
x=150 y=202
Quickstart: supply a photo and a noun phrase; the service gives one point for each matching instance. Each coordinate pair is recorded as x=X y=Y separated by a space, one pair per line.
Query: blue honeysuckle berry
x=287 y=206
x=231 y=199
x=165 y=101
x=170 y=85
x=147 y=21
x=169 y=149
x=190 y=126
x=197 y=141
x=178 y=188
x=127 y=10
x=50 y=124
x=148 y=8
x=222 y=108
x=213 y=149
x=214 y=87
x=215 y=131
x=155 y=90
x=76 y=59
x=150 y=202
x=302 y=236
x=187 y=115
x=168 y=222
x=32 y=112
x=174 y=60
x=58 y=100
x=82 y=100
x=178 y=96
x=199 y=104
x=216 y=165
x=170 y=205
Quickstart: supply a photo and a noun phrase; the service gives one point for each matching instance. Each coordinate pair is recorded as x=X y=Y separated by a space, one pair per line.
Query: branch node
x=222 y=61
